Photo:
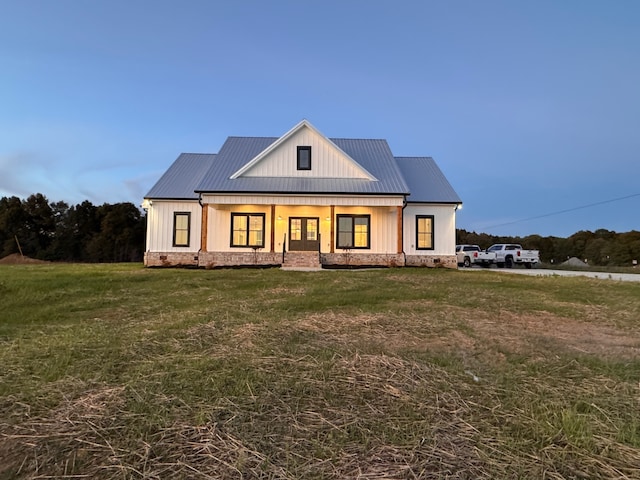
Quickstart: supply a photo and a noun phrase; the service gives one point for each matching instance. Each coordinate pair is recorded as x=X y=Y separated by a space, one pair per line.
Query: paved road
x=541 y=272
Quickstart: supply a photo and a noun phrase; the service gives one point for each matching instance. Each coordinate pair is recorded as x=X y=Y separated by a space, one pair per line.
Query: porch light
x=279 y=217
x=328 y=219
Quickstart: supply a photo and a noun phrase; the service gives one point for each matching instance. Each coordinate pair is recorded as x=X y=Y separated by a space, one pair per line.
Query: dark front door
x=303 y=234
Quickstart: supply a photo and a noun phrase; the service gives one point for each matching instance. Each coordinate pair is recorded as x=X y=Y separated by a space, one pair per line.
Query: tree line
x=85 y=232
x=116 y=233
x=602 y=247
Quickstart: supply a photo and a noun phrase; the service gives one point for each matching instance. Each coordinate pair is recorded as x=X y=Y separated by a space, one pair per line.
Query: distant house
x=301 y=200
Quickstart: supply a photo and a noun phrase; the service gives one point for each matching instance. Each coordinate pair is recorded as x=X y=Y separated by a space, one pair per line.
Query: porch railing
x=284 y=247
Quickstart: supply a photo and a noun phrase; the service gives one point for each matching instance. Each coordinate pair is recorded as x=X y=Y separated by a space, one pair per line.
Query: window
x=296 y=229
x=304 y=158
x=353 y=231
x=181 y=227
x=424 y=232
x=247 y=230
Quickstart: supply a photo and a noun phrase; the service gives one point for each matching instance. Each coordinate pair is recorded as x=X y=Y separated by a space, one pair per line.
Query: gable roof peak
x=304 y=123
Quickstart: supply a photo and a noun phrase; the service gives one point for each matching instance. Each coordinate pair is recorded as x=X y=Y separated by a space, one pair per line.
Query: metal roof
x=373 y=155
x=194 y=173
x=180 y=180
x=426 y=181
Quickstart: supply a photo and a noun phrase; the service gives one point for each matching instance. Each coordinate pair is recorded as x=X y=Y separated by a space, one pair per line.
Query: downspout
x=201 y=206
x=404 y=205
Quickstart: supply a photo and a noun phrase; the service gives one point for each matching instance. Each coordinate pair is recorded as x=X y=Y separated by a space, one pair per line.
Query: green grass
x=116 y=371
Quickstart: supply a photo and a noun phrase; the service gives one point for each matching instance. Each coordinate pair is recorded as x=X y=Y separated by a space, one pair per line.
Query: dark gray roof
x=180 y=180
x=426 y=181
x=373 y=155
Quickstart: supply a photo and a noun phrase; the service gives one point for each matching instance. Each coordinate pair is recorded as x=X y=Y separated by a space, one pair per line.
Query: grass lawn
x=116 y=371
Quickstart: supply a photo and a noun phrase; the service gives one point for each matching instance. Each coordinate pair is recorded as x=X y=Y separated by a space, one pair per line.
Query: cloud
x=23 y=173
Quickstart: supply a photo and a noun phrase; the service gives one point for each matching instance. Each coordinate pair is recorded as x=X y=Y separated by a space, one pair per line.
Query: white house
x=301 y=200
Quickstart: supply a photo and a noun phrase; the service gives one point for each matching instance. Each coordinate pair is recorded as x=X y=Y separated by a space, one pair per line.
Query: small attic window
x=304 y=158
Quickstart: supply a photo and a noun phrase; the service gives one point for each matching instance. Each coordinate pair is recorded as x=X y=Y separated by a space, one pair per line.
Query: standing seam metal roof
x=426 y=181
x=192 y=173
x=181 y=178
x=373 y=155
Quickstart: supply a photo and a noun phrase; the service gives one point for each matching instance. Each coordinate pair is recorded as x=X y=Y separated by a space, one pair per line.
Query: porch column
x=333 y=211
x=400 y=240
x=273 y=228
x=203 y=228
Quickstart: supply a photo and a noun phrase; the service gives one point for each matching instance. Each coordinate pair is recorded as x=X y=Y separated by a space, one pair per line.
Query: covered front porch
x=339 y=232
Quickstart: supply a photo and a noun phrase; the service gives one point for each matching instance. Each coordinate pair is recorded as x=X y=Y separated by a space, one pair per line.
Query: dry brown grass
x=273 y=436
x=276 y=384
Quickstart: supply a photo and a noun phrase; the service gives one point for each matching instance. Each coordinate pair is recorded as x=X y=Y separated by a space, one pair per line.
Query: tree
x=12 y=220
x=121 y=234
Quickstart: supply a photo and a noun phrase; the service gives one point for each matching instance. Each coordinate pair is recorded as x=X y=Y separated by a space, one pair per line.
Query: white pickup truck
x=510 y=254
x=473 y=255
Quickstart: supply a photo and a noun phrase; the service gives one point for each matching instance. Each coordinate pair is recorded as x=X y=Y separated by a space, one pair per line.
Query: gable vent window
x=304 y=158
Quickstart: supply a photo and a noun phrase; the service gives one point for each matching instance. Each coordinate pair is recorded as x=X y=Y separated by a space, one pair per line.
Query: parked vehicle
x=510 y=254
x=473 y=255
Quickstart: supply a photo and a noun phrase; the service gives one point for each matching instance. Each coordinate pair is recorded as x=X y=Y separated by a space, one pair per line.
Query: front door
x=303 y=234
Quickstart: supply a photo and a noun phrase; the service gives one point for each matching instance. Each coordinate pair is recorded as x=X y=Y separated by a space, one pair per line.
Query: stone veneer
x=363 y=259
x=171 y=259
x=234 y=259
x=447 y=261
x=238 y=259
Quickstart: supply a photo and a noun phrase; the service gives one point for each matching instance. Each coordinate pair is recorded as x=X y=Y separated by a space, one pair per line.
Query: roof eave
x=301 y=192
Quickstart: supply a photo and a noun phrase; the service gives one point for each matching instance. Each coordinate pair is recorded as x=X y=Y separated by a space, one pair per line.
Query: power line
x=564 y=211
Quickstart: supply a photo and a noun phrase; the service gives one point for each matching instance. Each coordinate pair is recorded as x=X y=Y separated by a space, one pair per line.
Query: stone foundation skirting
x=447 y=261
x=358 y=259
x=341 y=259
x=171 y=259
x=239 y=259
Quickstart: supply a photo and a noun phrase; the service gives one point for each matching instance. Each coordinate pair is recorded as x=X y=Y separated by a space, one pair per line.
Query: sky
x=531 y=109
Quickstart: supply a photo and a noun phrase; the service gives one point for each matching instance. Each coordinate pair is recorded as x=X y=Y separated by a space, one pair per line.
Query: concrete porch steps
x=301 y=261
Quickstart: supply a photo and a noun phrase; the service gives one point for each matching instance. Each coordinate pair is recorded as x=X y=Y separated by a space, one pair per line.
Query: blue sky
x=529 y=108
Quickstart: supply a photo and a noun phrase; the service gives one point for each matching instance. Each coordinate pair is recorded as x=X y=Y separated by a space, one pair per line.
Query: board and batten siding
x=315 y=200
x=327 y=160
x=160 y=225
x=383 y=226
x=219 y=227
x=444 y=224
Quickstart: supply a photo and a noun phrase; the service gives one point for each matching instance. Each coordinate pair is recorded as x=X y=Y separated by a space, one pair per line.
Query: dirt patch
x=17 y=259
x=475 y=333
x=520 y=333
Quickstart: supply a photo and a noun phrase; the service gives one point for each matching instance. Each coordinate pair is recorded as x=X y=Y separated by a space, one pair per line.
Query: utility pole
x=19 y=247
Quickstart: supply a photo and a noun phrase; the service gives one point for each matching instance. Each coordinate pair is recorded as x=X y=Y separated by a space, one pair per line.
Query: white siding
x=384 y=229
x=315 y=200
x=327 y=160
x=444 y=224
x=219 y=227
x=383 y=225
x=160 y=225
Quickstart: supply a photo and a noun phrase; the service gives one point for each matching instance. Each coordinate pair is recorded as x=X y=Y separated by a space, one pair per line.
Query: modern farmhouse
x=301 y=200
